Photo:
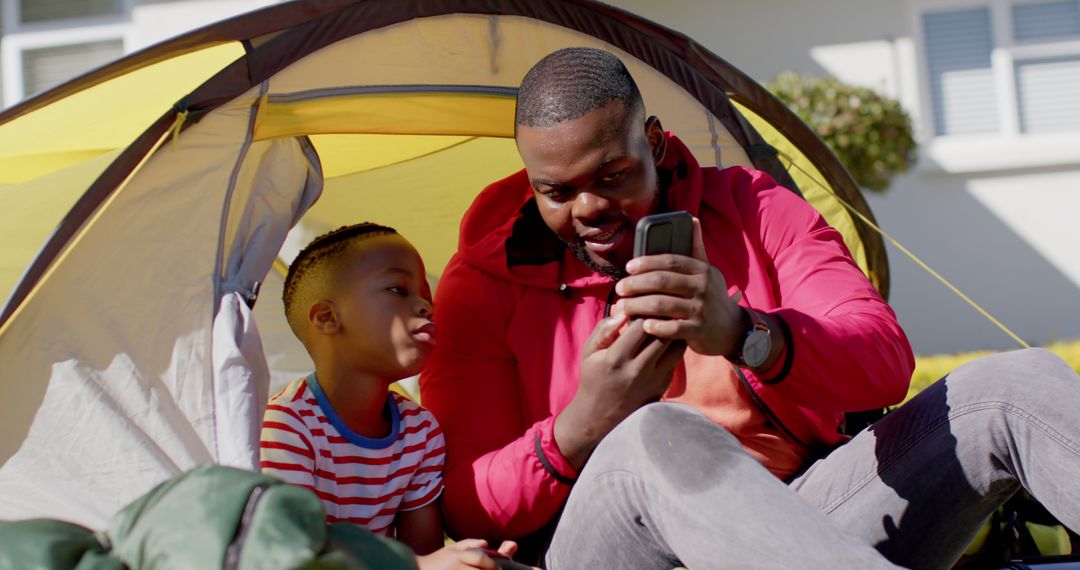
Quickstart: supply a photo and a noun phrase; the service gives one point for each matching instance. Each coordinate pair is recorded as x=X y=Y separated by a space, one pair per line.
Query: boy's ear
x=323 y=316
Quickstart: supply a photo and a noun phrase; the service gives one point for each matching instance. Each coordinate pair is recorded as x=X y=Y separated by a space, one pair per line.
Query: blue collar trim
x=343 y=428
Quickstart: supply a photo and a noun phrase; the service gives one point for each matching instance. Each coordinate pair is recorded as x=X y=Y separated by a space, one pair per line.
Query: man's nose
x=590 y=206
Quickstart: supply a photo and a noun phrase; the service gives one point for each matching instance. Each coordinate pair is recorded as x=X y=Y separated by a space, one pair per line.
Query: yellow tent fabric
x=49 y=157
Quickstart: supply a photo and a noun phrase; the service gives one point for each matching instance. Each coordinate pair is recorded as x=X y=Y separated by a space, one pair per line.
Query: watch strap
x=789 y=351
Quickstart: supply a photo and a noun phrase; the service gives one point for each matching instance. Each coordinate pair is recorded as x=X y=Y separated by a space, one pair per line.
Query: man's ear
x=654 y=133
x=323 y=317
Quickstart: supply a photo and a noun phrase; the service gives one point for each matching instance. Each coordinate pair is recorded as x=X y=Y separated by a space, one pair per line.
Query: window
x=1004 y=66
x=31 y=11
x=47 y=42
x=47 y=67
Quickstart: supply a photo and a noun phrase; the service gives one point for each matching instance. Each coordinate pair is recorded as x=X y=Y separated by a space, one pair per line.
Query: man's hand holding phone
x=682 y=297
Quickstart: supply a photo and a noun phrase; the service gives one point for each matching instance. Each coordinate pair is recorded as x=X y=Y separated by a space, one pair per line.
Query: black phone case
x=670 y=232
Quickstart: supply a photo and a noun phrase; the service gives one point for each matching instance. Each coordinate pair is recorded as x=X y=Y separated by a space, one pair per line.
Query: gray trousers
x=668 y=487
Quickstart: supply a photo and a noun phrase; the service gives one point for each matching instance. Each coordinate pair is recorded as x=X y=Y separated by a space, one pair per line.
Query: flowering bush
x=870 y=133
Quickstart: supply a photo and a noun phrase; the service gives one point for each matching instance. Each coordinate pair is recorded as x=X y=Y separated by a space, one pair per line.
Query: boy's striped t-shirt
x=359 y=479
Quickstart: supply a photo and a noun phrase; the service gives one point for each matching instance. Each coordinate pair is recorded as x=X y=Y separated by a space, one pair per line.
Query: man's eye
x=402 y=291
x=613 y=177
x=557 y=194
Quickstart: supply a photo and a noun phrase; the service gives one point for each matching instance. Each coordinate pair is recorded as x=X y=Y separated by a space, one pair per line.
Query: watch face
x=756 y=348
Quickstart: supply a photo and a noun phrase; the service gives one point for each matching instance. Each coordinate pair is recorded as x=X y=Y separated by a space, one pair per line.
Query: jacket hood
x=503 y=234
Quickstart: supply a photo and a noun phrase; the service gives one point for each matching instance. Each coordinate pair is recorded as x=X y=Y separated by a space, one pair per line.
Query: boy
x=358 y=299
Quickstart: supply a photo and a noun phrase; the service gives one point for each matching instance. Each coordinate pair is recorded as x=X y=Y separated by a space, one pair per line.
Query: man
x=769 y=334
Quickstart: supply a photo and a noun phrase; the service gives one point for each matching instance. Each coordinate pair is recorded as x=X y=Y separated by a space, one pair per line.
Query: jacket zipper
x=772 y=417
x=236 y=547
x=610 y=299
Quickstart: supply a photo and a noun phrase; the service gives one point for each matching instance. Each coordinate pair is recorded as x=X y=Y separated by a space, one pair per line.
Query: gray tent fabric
x=154 y=363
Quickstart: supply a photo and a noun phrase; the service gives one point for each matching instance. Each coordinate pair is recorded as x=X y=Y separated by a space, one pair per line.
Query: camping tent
x=146 y=201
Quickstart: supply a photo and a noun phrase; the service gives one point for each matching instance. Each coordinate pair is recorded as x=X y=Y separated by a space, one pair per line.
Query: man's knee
x=673 y=440
x=1009 y=375
x=671 y=420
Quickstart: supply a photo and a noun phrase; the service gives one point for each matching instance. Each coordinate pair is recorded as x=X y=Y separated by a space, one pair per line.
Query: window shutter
x=1047 y=92
x=958 y=47
x=47 y=67
x=1046 y=20
x=44 y=10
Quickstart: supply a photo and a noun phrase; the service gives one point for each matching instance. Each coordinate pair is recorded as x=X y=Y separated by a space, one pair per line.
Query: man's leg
x=668 y=487
x=919 y=483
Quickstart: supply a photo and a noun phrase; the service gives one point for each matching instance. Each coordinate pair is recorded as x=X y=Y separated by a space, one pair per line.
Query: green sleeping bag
x=210 y=517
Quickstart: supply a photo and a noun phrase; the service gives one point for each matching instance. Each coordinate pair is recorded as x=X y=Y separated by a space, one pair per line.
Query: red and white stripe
x=366 y=486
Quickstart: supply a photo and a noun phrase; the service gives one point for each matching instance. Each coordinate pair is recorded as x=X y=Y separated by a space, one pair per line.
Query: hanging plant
x=870 y=133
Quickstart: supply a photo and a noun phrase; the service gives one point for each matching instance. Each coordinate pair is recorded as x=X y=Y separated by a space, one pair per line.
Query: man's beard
x=613 y=271
x=617 y=271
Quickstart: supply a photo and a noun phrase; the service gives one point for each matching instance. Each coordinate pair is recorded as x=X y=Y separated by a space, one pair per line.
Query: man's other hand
x=622 y=369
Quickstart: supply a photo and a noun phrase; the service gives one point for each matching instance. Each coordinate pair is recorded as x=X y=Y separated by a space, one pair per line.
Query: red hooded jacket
x=514 y=308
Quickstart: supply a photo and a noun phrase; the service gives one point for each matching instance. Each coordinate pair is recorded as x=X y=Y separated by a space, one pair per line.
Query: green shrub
x=870 y=133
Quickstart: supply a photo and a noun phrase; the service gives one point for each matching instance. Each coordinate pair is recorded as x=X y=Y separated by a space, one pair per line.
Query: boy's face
x=385 y=309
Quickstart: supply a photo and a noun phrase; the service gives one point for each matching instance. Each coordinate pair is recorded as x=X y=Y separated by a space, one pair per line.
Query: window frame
x=18 y=37
x=1008 y=147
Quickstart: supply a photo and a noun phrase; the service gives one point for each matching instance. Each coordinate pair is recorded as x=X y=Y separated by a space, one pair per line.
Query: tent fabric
x=140 y=381
x=96 y=120
x=130 y=349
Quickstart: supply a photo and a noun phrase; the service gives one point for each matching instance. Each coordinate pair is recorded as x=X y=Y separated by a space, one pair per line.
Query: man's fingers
x=651 y=349
x=629 y=341
x=671 y=355
x=660 y=306
x=605 y=333
x=698 y=250
x=669 y=329
x=508 y=547
x=666 y=282
x=478 y=559
x=664 y=262
x=469 y=544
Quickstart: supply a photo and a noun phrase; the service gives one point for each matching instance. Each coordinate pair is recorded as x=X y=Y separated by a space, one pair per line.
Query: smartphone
x=504 y=561
x=670 y=232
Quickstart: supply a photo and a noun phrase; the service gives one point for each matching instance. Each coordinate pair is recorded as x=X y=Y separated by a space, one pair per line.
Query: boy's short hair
x=315 y=269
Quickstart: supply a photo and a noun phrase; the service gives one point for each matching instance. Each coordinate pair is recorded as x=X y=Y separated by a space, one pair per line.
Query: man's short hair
x=315 y=271
x=571 y=82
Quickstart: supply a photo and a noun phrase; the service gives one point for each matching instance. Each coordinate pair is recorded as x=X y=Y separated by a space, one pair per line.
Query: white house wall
x=153 y=22
x=996 y=215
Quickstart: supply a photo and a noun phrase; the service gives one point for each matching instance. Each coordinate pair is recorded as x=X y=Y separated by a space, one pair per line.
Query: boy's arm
x=419 y=521
x=285 y=449
x=421 y=529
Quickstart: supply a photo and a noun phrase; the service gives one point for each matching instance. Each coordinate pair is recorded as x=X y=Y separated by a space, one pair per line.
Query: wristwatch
x=756 y=344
